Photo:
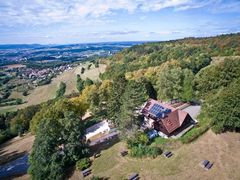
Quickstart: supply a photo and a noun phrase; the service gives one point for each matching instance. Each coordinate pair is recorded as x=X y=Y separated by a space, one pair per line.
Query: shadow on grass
x=70 y=171
x=7 y=157
x=103 y=146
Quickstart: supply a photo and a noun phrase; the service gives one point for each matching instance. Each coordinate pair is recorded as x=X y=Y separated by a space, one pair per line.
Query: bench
x=86 y=172
x=204 y=163
x=97 y=155
x=123 y=153
x=168 y=154
x=134 y=176
x=208 y=166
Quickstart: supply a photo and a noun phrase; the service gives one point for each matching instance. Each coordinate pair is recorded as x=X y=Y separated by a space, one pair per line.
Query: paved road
x=16 y=167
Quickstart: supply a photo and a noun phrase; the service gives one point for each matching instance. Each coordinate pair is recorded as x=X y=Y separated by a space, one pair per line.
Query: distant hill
x=16 y=53
x=20 y=46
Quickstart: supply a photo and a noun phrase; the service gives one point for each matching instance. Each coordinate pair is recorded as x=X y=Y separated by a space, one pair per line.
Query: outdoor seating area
x=168 y=154
x=206 y=164
x=134 y=176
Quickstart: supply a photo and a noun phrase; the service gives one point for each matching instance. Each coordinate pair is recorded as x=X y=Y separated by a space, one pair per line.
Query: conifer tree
x=134 y=96
x=114 y=102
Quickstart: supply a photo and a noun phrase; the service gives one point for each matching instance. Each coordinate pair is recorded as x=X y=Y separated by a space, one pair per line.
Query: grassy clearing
x=184 y=164
x=93 y=73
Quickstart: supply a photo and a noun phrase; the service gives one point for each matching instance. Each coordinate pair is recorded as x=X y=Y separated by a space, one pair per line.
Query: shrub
x=96 y=64
x=145 y=151
x=18 y=101
x=139 y=139
x=80 y=83
x=25 y=93
x=82 y=70
x=88 y=82
x=96 y=178
x=193 y=134
x=89 y=66
x=160 y=141
x=153 y=151
x=5 y=135
x=83 y=163
x=61 y=91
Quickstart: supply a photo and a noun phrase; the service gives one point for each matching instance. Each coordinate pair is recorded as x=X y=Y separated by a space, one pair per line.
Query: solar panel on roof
x=158 y=111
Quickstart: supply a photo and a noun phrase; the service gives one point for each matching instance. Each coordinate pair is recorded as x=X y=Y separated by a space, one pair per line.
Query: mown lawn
x=111 y=164
x=184 y=164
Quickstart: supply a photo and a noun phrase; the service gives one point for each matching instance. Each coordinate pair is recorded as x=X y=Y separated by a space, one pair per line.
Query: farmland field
x=46 y=92
x=12 y=66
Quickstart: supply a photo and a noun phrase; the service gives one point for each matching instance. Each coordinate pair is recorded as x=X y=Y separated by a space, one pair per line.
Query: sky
x=84 y=21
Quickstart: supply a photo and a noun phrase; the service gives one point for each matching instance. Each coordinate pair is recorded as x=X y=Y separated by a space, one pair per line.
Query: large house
x=165 y=118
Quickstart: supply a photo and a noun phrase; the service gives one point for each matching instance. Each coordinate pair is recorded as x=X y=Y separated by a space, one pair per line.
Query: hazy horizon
x=102 y=42
x=93 y=21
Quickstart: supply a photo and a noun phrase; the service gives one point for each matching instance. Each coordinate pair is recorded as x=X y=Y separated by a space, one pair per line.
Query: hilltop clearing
x=221 y=149
x=185 y=164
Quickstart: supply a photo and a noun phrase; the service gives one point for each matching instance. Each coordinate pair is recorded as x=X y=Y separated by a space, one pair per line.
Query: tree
x=44 y=152
x=25 y=93
x=169 y=83
x=58 y=144
x=80 y=83
x=88 y=82
x=89 y=66
x=133 y=97
x=220 y=74
x=83 y=163
x=21 y=121
x=56 y=109
x=82 y=70
x=114 y=102
x=150 y=89
x=96 y=64
x=18 y=101
x=224 y=108
x=187 y=90
x=61 y=90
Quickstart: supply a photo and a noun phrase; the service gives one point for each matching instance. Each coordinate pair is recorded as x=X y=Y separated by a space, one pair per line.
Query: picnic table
x=134 y=176
x=206 y=164
x=168 y=154
x=86 y=172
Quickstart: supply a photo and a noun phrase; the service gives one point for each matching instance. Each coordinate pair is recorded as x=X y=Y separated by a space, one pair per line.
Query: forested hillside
x=184 y=69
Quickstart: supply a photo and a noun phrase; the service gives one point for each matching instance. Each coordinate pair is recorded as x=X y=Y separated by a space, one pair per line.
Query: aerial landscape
x=125 y=89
